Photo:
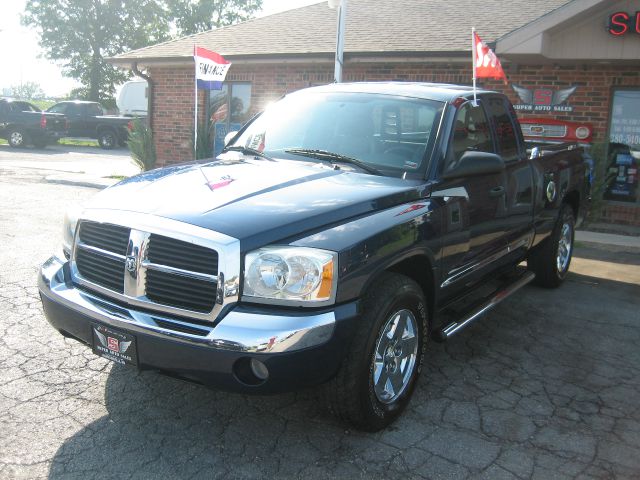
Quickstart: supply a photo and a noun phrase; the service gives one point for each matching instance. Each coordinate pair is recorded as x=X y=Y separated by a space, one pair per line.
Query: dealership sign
x=623 y=22
x=543 y=99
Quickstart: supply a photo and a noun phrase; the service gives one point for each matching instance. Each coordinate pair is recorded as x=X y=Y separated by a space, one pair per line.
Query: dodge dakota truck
x=339 y=232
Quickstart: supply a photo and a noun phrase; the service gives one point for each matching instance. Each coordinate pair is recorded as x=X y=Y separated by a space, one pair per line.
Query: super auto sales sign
x=623 y=22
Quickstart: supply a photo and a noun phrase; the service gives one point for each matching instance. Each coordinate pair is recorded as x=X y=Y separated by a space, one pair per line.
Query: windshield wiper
x=333 y=158
x=247 y=151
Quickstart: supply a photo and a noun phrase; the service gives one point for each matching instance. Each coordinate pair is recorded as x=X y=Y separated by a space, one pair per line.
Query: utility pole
x=341 y=5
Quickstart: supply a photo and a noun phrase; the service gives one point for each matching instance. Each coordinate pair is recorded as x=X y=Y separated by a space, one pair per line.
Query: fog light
x=259 y=369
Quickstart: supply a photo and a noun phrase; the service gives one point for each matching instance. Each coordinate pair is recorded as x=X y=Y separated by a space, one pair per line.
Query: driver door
x=475 y=207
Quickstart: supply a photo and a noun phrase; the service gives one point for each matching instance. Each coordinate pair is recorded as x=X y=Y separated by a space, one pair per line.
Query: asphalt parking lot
x=547 y=386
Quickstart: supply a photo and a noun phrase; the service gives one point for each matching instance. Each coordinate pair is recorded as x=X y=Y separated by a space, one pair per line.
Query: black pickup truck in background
x=87 y=120
x=336 y=235
x=22 y=123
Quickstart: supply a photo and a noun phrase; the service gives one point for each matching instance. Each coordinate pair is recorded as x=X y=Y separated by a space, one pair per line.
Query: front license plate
x=114 y=345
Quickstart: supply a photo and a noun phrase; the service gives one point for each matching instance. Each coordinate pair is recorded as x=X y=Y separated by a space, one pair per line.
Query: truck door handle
x=496 y=192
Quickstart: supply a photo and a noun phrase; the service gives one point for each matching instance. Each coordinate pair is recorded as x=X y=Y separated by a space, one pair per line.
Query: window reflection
x=624 y=147
x=229 y=109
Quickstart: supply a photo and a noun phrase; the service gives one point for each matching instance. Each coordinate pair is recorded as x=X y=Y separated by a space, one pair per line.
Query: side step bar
x=454 y=327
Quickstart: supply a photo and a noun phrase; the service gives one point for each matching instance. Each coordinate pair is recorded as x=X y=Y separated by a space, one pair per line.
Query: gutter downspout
x=134 y=69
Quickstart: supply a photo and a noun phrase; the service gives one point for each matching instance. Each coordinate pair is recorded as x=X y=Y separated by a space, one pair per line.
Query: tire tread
x=340 y=391
x=542 y=259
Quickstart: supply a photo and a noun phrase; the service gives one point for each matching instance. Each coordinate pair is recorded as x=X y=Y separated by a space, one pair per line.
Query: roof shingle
x=373 y=26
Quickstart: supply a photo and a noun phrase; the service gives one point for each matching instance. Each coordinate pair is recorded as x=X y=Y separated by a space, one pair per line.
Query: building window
x=624 y=147
x=229 y=109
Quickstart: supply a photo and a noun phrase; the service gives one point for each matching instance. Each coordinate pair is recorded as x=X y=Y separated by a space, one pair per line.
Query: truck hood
x=255 y=200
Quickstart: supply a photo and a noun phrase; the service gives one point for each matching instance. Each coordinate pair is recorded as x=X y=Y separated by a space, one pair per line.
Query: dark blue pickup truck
x=339 y=232
x=87 y=120
x=22 y=123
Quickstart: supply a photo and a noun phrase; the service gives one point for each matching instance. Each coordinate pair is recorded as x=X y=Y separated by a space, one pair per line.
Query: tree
x=194 y=16
x=27 y=91
x=82 y=33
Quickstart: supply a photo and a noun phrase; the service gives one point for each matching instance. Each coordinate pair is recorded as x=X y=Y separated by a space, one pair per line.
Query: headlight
x=582 y=132
x=69 y=230
x=290 y=274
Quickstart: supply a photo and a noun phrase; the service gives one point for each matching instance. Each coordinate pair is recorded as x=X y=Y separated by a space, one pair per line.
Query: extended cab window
x=504 y=128
x=61 y=108
x=24 y=107
x=94 y=110
x=471 y=133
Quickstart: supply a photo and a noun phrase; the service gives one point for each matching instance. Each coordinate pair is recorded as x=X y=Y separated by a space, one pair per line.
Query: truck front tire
x=550 y=260
x=381 y=369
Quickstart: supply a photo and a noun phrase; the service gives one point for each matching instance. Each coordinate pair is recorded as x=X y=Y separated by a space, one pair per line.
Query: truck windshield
x=389 y=133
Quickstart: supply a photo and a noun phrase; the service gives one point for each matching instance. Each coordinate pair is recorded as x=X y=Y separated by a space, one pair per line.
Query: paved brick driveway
x=546 y=387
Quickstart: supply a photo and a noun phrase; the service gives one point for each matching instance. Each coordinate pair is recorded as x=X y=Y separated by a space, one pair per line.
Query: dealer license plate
x=114 y=345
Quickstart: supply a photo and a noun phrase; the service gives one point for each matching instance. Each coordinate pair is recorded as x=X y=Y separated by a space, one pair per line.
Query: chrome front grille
x=102 y=270
x=144 y=268
x=112 y=238
x=101 y=256
x=183 y=255
x=548 y=131
x=180 y=291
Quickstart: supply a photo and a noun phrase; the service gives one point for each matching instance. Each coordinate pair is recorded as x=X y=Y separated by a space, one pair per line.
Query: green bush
x=43 y=104
x=204 y=146
x=143 y=150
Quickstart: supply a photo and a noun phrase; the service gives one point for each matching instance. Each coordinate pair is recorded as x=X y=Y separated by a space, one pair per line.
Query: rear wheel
x=378 y=375
x=17 y=138
x=550 y=261
x=107 y=139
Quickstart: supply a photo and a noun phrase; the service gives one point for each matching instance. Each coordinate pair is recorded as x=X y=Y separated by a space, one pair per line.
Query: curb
x=611 y=242
x=81 y=181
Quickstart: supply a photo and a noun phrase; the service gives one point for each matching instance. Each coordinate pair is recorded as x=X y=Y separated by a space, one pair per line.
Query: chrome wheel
x=107 y=140
x=16 y=139
x=395 y=356
x=565 y=245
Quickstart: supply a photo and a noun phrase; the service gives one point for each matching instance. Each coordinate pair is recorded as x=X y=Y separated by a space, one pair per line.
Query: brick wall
x=620 y=214
x=173 y=111
x=174 y=96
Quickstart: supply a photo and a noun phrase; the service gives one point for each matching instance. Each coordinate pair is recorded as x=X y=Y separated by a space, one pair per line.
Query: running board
x=454 y=327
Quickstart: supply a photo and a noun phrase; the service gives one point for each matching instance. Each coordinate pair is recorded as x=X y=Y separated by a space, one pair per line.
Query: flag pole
x=473 y=60
x=195 y=118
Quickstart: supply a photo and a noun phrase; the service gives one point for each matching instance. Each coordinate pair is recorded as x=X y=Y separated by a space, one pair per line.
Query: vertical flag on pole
x=485 y=62
x=211 y=70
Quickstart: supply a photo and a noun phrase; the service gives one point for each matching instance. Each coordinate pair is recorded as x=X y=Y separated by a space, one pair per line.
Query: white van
x=132 y=98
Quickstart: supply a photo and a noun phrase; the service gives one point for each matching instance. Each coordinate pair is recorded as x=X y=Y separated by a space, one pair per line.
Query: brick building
x=547 y=48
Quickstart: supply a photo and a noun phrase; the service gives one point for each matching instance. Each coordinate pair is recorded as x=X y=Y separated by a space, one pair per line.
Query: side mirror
x=228 y=137
x=536 y=152
x=474 y=163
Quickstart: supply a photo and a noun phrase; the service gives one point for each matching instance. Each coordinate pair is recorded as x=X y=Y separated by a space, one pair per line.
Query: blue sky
x=21 y=55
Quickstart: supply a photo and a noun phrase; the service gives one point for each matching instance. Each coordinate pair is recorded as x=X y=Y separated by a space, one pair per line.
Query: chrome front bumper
x=236 y=330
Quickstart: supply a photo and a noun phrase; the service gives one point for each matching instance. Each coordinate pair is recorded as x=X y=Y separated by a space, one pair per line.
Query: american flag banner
x=211 y=68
